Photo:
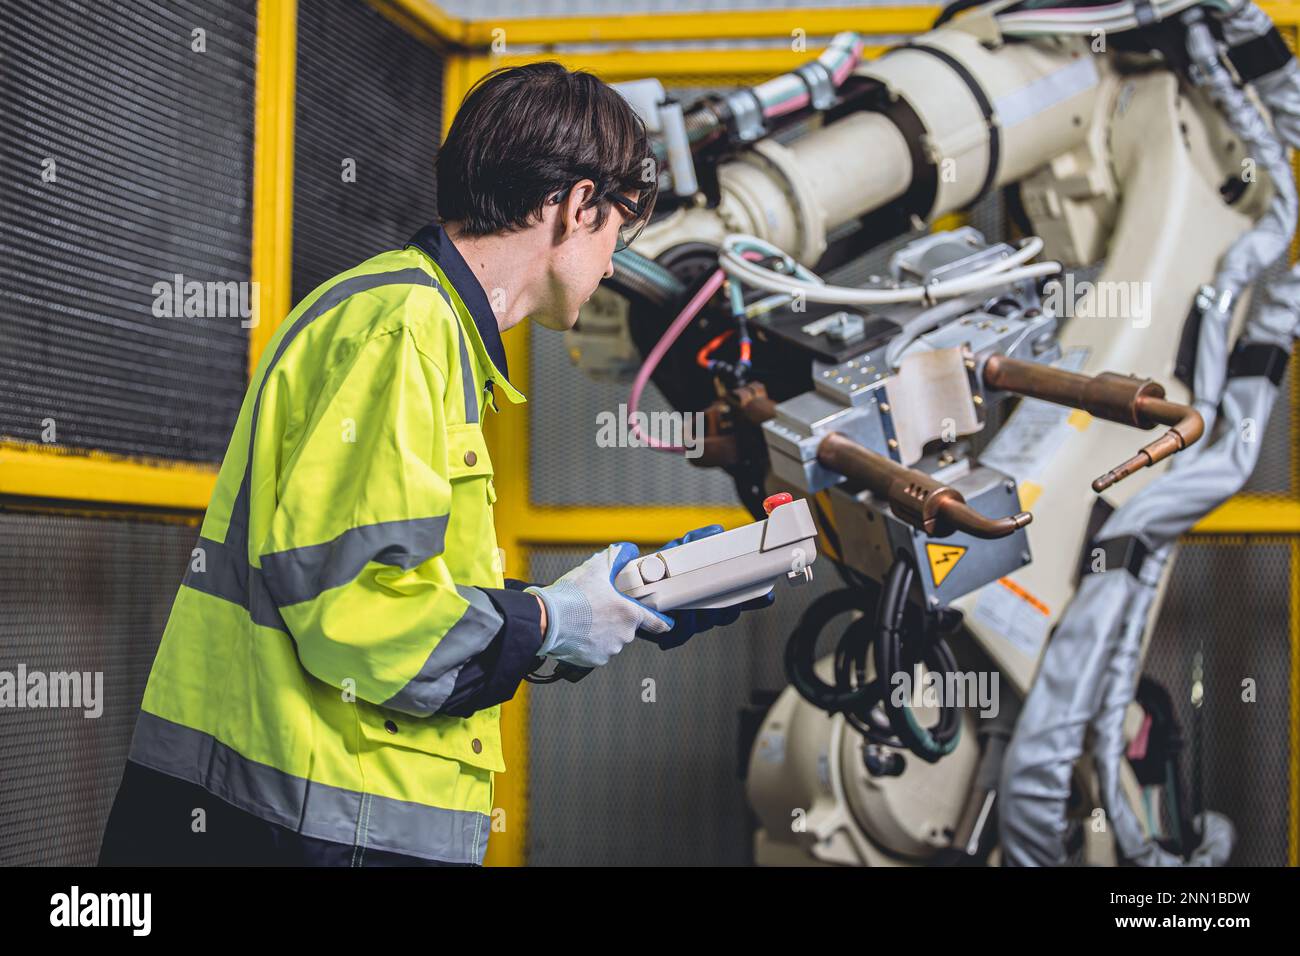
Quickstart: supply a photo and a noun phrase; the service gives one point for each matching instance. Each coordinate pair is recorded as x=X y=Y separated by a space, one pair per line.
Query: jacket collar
x=434 y=242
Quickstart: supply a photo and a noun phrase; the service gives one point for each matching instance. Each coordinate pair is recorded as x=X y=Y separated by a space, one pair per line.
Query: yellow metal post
x=508 y=437
x=442 y=25
x=617 y=65
x=277 y=54
x=507 y=434
x=43 y=471
x=719 y=25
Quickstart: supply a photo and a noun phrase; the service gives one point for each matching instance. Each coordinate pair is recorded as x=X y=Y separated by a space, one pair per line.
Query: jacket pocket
x=467 y=453
x=473 y=740
x=473 y=496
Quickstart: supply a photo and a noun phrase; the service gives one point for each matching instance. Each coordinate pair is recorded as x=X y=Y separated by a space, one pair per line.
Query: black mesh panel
x=1227 y=605
x=85 y=595
x=371 y=94
x=127 y=159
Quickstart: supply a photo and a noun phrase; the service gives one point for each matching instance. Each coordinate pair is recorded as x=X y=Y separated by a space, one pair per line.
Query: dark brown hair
x=525 y=133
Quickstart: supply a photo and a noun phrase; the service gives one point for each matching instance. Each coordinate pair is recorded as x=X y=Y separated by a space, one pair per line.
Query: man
x=327 y=689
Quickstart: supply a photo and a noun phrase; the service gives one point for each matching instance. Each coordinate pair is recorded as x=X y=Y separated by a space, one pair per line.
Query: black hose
x=961 y=6
x=952 y=9
x=867 y=704
x=801 y=654
x=892 y=658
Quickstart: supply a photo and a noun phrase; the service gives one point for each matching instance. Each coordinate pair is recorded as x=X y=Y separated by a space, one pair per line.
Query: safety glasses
x=638 y=208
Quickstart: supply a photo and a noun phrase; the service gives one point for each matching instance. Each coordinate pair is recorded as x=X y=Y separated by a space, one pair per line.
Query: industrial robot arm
x=972 y=383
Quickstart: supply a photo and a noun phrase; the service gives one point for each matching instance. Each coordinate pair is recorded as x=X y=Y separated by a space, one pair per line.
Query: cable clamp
x=821 y=90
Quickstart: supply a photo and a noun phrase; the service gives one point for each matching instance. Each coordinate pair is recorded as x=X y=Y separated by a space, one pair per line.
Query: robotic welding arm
x=1108 y=152
x=923 y=131
x=933 y=408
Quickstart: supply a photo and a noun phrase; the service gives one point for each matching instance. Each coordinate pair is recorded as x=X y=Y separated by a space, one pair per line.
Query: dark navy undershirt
x=434 y=242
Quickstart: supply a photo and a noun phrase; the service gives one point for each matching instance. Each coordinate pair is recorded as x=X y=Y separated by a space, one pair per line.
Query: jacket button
x=470 y=458
x=390 y=726
x=477 y=745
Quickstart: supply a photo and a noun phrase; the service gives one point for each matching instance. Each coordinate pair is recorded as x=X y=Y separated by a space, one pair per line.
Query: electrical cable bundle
x=1078 y=17
x=1050 y=19
x=874 y=707
x=795 y=280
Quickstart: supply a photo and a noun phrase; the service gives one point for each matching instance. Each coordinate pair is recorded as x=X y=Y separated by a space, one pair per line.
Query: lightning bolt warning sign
x=943 y=558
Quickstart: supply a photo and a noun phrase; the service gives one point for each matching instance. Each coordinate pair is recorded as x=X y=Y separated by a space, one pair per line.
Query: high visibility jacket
x=336 y=656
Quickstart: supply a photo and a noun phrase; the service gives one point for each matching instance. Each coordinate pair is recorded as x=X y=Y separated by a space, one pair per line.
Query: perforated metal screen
x=617 y=778
x=1228 y=602
x=127 y=155
x=88 y=596
x=368 y=122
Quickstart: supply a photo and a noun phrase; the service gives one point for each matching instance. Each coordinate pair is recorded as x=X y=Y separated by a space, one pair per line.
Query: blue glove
x=689 y=622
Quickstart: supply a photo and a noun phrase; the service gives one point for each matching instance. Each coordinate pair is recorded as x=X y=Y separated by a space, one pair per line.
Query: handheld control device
x=723 y=569
x=727 y=568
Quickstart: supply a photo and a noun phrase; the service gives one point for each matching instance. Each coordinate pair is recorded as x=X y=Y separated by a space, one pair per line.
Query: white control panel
x=727 y=568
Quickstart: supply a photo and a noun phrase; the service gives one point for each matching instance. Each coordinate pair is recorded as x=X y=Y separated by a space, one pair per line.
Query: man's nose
x=609 y=268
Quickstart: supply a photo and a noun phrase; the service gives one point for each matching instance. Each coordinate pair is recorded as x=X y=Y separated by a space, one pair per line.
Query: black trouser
x=153 y=823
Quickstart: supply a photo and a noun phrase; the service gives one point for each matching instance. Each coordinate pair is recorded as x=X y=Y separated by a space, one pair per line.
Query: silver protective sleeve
x=1089 y=673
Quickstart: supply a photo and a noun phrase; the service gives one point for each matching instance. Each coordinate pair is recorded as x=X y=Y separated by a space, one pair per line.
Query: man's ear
x=575 y=213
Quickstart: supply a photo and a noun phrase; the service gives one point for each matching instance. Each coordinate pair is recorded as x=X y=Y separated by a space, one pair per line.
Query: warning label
x=1016 y=614
x=943 y=558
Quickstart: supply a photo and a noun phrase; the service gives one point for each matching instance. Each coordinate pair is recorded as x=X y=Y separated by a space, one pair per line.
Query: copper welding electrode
x=915 y=497
x=1118 y=398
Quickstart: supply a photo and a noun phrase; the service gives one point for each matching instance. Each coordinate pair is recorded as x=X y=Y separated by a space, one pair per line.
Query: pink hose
x=661 y=348
x=789 y=106
x=671 y=334
x=843 y=72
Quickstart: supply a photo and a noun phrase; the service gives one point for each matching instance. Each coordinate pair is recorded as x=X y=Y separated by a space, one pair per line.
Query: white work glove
x=588 y=620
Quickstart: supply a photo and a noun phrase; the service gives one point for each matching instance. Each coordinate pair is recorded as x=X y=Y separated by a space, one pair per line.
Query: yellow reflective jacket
x=336 y=656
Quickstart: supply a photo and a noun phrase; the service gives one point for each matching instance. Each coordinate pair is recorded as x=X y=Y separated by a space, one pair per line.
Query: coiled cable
x=871 y=706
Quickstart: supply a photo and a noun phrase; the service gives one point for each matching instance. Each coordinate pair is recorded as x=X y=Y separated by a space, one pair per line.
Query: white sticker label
x=1015 y=614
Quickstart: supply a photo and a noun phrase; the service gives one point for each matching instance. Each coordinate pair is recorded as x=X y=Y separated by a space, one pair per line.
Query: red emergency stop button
x=772 y=502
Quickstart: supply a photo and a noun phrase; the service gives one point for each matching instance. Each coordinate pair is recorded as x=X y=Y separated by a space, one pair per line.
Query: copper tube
x=746 y=405
x=1136 y=402
x=1109 y=396
x=915 y=497
x=1188 y=427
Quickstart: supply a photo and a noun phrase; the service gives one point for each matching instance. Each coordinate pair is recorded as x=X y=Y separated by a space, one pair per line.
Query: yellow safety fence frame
x=473 y=48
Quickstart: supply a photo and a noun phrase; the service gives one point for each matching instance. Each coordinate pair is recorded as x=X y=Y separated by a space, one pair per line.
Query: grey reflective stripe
x=331 y=298
x=301 y=574
x=430 y=688
x=467 y=381
x=223 y=573
x=314 y=809
x=466 y=370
